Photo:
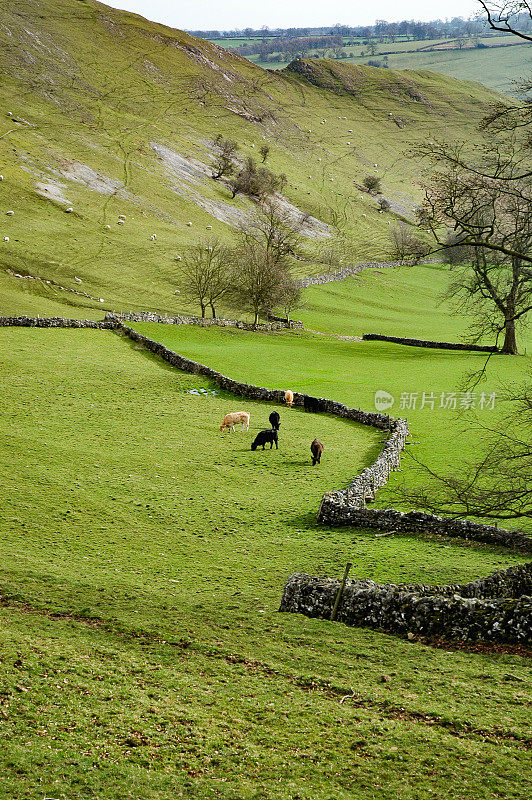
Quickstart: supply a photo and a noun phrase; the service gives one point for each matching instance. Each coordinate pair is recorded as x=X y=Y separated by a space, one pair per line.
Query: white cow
x=235 y=418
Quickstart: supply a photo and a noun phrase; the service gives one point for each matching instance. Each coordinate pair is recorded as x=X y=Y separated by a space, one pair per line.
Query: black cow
x=263 y=437
x=314 y=404
x=275 y=420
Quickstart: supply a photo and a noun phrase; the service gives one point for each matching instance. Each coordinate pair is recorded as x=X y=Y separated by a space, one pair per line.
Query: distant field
x=496 y=66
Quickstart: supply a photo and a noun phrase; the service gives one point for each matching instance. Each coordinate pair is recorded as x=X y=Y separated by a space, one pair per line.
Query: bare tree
x=257 y=279
x=491 y=222
x=509 y=16
x=372 y=183
x=498 y=485
x=291 y=293
x=205 y=273
x=407 y=247
x=262 y=261
x=225 y=152
x=279 y=231
x=264 y=152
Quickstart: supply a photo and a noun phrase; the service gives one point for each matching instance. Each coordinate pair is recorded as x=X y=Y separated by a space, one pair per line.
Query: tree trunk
x=202 y=312
x=213 y=311
x=256 y=318
x=510 y=343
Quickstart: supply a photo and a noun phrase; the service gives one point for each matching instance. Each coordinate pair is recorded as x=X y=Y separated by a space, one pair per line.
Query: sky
x=230 y=14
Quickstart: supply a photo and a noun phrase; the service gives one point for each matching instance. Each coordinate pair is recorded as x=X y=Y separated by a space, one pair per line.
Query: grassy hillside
x=142 y=560
x=108 y=114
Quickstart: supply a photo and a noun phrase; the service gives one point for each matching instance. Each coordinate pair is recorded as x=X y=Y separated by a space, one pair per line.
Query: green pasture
x=425 y=384
x=142 y=559
x=398 y=301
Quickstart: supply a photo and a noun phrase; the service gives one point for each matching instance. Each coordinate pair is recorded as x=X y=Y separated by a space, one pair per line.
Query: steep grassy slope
x=108 y=114
x=142 y=558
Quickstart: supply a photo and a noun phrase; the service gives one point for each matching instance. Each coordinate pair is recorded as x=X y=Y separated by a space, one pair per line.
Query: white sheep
x=208 y=227
x=1 y=177
x=121 y=216
x=9 y=213
x=178 y=258
x=107 y=227
x=189 y=224
x=120 y=222
x=6 y=238
x=153 y=237
x=69 y=210
x=78 y=280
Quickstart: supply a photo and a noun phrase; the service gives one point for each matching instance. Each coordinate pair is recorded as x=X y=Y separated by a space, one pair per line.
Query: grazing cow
x=313 y=404
x=275 y=420
x=235 y=418
x=289 y=398
x=263 y=437
x=316 y=448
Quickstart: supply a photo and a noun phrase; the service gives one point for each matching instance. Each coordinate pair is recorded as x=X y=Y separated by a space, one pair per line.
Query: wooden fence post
x=340 y=592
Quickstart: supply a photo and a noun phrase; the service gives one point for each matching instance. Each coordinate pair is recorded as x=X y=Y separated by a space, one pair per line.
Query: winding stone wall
x=497 y=608
x=322 y=404
x=369 y=337
x=493 y=609
x=276 y=323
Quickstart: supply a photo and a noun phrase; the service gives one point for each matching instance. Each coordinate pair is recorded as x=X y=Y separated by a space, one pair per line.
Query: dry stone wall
x=493 y=609
x=337 y=509
x=276 y=323
x=369 y=337
x=346 y=272
x=54 y=322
